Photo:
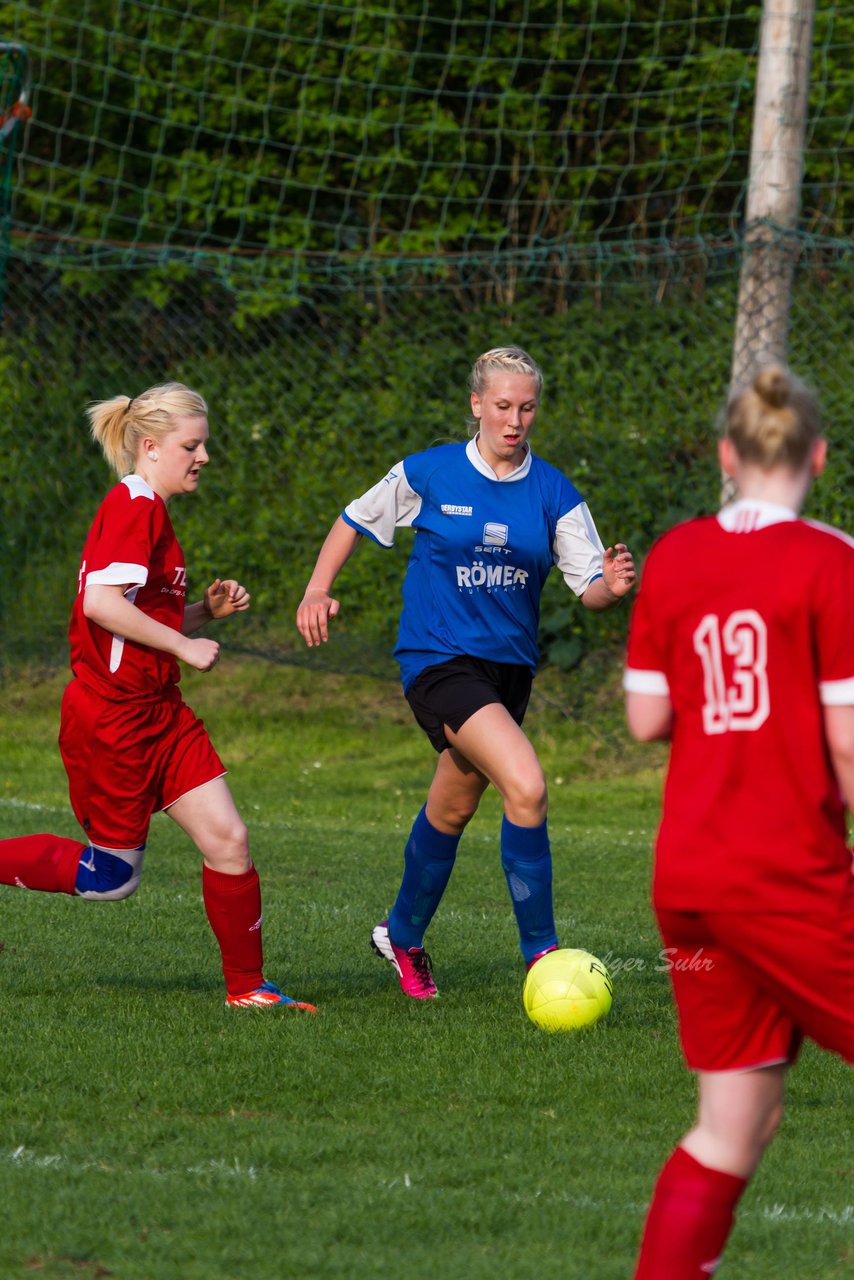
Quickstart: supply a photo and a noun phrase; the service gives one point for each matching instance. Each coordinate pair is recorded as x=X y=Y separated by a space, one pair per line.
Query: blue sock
x=428 y=863
x=526 y=857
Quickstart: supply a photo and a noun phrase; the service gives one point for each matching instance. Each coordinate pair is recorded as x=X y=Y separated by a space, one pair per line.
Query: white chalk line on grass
x=24 y=1158
x=769 y=1213
x=11 y=802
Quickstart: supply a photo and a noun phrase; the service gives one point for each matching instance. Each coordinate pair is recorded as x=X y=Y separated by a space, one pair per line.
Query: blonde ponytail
x=119 y=424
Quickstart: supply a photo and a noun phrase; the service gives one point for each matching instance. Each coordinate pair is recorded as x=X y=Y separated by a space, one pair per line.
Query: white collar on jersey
x=138 y=487
x=748 y=514
x=478 y=462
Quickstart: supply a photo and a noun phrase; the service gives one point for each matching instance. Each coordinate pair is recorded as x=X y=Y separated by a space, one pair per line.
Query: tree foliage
x=292 y=144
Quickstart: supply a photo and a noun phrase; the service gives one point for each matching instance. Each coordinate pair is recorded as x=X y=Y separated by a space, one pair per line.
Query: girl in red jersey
x=130 y=745
x=741 y=652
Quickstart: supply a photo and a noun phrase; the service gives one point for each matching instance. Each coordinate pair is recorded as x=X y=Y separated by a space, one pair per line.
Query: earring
x=152 y=455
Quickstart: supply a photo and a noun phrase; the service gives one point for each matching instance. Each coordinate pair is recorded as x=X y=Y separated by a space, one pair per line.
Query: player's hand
x=618 y=569
x=224 y=597
x=202 y=654
x=313 y=615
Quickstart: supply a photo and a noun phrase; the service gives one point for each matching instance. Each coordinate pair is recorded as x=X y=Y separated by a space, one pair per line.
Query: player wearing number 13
x=741 y=651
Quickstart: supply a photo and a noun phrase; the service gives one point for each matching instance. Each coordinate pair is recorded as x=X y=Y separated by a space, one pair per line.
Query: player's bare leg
x=455 y=792
x=739 y=1113
x=210 y=818
x=501 y=752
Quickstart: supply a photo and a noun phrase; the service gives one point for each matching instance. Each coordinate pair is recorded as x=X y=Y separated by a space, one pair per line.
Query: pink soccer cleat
x=412 y=967
x=545 y=951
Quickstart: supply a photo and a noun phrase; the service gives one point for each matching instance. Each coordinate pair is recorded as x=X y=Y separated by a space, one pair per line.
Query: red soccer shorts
x=127 y=760
x=748 y=987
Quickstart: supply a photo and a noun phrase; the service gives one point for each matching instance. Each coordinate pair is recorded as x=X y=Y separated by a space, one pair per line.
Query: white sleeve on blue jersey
x=391 y=504
x=578 y=550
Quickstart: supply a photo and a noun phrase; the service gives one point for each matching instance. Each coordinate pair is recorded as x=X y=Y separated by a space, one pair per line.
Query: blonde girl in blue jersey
x=491 y=520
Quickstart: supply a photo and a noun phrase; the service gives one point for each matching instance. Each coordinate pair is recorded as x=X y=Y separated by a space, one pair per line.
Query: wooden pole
x=774 y=185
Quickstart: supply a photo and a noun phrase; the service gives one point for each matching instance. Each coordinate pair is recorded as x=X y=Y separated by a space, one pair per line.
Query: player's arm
x=649 y=706
x=387 y=505
x=598 y=577
x=649 y=715
x=222 y=598
x=108 y=606
x=839 y=730
x=317 y=605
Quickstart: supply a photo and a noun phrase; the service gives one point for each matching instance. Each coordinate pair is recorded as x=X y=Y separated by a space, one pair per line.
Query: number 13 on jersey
x=743 y=702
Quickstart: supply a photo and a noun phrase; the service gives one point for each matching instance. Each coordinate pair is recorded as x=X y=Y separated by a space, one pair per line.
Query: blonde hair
x=119 y=424
x=774 y=420
x=503 y=360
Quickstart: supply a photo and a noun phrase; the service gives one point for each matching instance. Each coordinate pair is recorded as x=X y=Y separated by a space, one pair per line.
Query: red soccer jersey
x=132 y=542
x=746 y=621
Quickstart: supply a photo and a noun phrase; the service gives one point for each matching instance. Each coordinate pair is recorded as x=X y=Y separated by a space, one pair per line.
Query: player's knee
x=234 y=841
x=458 y=813
x=526 y=800
x=239 y=835
x=226 y=848
x=106 y=875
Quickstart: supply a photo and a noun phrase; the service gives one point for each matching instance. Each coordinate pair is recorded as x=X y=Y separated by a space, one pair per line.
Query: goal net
x=320 y=213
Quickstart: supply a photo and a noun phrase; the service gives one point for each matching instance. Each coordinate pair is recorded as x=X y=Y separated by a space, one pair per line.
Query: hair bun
x=773 y=385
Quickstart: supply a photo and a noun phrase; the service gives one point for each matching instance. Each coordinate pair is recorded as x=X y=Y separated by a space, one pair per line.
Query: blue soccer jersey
x=483 y=548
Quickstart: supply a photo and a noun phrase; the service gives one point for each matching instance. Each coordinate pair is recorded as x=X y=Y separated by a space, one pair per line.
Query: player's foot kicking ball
x=546 y=951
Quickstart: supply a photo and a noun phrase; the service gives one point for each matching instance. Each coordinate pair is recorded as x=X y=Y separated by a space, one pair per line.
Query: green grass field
x=148 y=1133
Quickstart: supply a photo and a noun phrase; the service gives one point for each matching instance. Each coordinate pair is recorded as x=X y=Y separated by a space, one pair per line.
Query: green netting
x=320 y=213
x=14 y=110
x=286 y=145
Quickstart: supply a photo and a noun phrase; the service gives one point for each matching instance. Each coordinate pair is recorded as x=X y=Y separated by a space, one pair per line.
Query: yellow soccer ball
x=567 y=989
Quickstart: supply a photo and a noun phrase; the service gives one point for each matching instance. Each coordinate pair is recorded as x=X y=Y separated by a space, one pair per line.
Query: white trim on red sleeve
x=117 y=574
x=836 y=693
x=654 y=682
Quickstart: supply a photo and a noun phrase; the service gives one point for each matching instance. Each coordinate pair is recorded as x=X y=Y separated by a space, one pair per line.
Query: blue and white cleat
x=267 y=996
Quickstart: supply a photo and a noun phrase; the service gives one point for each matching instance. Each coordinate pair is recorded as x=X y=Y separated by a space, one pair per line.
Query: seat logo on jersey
x=451 y=509
x=495 y=576
x=495 y=535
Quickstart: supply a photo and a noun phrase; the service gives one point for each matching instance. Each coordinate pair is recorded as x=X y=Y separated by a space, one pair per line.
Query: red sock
x=689 y=1220
x=233 y=904
x=44 y=862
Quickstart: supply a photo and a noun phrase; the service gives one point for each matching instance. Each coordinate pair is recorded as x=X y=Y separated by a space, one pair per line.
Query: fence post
x=774 y=185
